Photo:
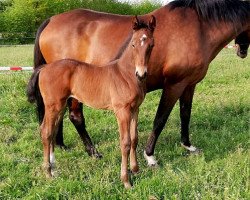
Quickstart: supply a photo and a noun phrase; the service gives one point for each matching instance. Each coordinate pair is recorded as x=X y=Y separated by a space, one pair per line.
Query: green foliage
x=21 y=18
x=219 y=125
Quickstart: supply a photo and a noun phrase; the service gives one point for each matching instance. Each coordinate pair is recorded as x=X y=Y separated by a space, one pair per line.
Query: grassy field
x=219 y=125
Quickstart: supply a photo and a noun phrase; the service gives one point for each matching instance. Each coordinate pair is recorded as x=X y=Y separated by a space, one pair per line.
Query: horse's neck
x=219 y=35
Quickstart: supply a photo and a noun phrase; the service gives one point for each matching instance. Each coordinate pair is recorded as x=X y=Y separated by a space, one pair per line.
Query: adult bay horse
x=120 y=86
x=188 y=36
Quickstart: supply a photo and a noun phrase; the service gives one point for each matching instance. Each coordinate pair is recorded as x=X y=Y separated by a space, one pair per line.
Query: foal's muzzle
x=141 y=73
x=141 y=78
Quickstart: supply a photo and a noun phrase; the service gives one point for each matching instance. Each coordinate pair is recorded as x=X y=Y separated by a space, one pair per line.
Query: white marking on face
x=150 y=159
x=142 y=39
x=141 y=70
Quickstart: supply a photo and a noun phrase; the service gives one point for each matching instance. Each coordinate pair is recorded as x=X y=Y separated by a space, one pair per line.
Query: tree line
x=19 y=19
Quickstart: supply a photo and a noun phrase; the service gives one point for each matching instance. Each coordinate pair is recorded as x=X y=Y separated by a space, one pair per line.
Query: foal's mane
x=124 y=46
x=235 y=11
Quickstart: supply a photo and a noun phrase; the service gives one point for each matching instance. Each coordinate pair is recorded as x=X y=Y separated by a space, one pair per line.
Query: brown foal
x=120 y=86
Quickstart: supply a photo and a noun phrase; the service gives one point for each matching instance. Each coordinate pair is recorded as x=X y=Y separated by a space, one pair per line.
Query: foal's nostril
x=141 y=78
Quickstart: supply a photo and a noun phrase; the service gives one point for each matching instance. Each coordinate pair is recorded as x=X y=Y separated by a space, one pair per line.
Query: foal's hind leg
x=134 y=141
x=48 y=130
x=77 y=118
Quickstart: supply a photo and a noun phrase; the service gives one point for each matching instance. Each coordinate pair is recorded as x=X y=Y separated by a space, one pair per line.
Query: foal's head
x=242 y=41
x=142 y=43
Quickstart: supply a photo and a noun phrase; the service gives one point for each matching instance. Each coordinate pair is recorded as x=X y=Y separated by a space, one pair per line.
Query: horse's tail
x=34 y=94
x=38 y=56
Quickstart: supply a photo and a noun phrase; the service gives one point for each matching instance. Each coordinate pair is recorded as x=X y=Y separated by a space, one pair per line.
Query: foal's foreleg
x=169 y=97
x=77 y=118
x=134 y=141
x=123 y=118
x=185 y=113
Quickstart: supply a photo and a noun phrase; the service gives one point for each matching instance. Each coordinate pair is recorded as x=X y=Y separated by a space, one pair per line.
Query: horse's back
x=80 y=34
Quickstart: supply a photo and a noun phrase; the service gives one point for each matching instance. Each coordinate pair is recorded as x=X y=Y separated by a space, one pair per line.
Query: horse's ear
x=152 y=23
x=135 y=23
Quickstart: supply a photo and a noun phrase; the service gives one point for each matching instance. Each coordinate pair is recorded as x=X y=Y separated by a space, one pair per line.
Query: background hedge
x=19 y=19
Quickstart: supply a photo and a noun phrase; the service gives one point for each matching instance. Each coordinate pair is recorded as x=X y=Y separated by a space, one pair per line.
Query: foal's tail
x=34 y=94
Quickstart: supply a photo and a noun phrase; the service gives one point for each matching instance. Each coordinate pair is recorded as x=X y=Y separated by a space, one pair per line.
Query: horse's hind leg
x=77 y=118
x=59 y=136
x=169 y=97
x=185 y=112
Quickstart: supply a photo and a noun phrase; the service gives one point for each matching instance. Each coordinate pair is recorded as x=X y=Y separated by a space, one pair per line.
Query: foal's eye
x=133 y=45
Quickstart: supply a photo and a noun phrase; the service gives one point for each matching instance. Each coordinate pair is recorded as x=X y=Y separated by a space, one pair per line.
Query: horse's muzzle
x=241 y=53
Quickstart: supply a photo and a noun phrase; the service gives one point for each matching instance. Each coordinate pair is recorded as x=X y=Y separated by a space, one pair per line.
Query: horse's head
x=142 y=43
x=242 y=41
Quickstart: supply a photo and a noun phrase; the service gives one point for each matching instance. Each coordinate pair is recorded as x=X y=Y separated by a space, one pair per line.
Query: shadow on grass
x=217 y=131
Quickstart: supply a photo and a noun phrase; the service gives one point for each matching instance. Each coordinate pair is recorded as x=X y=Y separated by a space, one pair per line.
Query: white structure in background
x=163 y=2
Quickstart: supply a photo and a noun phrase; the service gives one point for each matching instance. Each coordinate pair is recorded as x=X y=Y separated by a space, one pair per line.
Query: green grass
x=219 y=125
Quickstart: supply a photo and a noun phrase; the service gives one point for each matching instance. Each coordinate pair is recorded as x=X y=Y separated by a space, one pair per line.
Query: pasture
x=219 y=125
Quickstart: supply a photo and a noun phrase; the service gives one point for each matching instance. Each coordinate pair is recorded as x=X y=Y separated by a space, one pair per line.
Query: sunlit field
x=220 y=126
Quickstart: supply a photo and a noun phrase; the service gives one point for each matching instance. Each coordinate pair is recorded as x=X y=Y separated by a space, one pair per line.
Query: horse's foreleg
x=124 y=118
x=170 y=95
x=77 y=118
x=185 y=113
x=134 y=141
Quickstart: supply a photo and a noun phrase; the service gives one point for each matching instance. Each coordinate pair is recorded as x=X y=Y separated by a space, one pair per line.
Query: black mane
x=235 y=11
x=123 y=47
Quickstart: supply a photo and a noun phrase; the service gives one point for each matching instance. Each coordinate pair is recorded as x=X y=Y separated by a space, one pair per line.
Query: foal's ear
x=135 y=23
x=152 y=23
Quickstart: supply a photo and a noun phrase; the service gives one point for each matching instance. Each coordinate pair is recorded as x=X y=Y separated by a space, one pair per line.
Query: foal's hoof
x=127 y=185
x=152 y=162
x=134 y=171
x=192 y=150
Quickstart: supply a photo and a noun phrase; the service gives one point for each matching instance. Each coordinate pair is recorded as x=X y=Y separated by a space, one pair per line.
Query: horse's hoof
x=192 y=150
x=97 y=155
x=62 y=146
x=152 y=162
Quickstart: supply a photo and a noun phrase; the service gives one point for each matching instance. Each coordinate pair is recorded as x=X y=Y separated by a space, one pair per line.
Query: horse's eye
x=133 y=45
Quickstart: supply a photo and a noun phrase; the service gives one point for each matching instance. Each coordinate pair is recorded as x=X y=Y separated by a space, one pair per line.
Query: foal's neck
x=126 y=61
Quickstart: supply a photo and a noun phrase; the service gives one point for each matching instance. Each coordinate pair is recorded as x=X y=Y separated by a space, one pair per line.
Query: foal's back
x=87 y=83
x=98 y=87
